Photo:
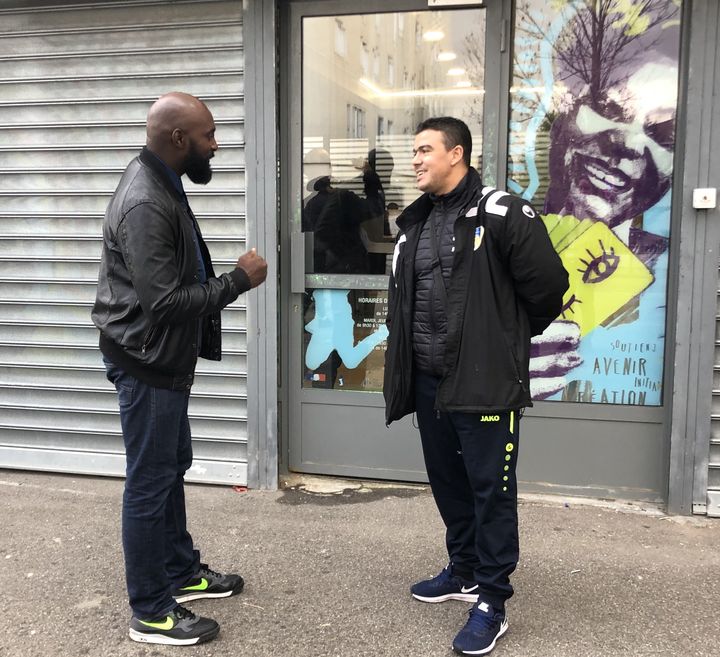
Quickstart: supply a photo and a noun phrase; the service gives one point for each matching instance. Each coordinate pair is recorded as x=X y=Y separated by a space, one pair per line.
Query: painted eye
x=660 y=127
x=600 y=267
x=568 y=306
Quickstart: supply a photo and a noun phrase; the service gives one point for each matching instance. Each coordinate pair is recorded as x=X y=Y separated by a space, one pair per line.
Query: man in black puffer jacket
x=474 y=277
x=158 y=308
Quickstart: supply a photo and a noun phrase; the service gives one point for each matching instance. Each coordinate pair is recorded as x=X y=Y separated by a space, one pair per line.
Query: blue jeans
x=471 y=460
x=159 y=553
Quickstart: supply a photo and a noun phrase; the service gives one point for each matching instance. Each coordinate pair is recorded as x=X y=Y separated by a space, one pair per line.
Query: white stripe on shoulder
x=492 y=204
x=486 y=191
x=472 y=212
x=396 y=252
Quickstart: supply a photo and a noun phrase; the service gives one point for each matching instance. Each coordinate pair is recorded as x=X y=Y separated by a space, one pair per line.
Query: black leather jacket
x=149 y=300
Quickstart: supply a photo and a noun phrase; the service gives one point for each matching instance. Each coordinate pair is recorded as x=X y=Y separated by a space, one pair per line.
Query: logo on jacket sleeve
x=489 y=418
x=528 y=212
x=492 y=205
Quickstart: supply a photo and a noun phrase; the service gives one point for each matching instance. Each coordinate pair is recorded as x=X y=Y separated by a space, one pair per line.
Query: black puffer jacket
x=149 y=297
x=429 y=325
x=506 y=285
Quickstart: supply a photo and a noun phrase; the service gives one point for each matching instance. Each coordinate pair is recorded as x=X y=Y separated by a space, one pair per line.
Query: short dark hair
x=455 y=132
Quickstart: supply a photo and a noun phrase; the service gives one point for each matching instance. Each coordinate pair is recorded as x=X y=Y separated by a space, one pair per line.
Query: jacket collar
x=153 y=162
x=419 y=209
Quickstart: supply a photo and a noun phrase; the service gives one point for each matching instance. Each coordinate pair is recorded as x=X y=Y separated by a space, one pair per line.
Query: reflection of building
x=78 y=79
x=372 y=72
x=380 y=78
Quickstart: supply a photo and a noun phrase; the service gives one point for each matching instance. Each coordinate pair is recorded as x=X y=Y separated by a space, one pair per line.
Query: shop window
x=591 y=139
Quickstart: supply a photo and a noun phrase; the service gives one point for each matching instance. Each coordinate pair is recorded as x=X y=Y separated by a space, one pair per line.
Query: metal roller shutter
x=76 y=82
x=713 y=473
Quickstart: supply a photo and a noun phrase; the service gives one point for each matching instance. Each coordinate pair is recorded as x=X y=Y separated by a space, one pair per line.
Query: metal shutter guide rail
x=121 y=76
x=69 y=31
x=113 y=123
x=90 y=147
x=208 y=97
x=168 y=50
x=108 y=4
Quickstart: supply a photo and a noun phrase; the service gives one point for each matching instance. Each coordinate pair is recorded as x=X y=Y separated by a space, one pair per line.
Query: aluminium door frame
x=292 y=272
x=262 y=184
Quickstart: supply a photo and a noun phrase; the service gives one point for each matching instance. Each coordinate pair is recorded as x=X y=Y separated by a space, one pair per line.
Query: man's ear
x=457 y=153
x=177 y=137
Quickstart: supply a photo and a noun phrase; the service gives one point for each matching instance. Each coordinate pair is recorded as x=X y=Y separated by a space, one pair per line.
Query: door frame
x=292 y=279
x=545 y=417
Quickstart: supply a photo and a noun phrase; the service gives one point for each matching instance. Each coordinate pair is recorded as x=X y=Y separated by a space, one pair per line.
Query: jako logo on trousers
x=490 y=418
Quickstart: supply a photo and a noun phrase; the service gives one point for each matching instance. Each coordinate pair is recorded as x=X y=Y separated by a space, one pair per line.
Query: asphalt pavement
x=328 y=564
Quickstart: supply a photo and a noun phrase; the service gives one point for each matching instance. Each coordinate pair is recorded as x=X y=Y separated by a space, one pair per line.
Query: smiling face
x=613 y=161
x=438 y=170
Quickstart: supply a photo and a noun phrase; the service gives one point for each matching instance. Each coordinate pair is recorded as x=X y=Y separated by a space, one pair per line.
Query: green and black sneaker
x=209 y=584
x=178 y=628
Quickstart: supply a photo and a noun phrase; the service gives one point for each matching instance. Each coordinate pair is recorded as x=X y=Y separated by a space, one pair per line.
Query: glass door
x=360 y=84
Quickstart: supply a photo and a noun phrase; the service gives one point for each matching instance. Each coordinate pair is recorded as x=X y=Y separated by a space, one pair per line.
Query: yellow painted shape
x=574 y=234
x=596 y=301
x=565 y=224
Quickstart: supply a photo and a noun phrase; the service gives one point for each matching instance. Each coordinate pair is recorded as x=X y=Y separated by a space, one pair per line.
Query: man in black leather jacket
x=474 y=276
x=158 y=308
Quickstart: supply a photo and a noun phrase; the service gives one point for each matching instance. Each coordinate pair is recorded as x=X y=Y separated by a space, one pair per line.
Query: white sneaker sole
x=143 y=637
x=200 y=596
x=485 y=651
x=463 y=597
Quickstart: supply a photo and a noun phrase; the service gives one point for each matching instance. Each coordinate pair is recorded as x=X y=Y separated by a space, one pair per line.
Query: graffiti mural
x=591 y=142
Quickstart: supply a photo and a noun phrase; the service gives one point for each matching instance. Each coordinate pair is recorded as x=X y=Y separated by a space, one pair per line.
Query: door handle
x=297 y=262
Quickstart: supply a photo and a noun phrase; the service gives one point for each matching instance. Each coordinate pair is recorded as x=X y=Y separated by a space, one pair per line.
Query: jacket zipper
x=148 y=337
x=515 y=366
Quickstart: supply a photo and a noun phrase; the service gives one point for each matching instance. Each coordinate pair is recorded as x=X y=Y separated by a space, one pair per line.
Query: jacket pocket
x=148 y=339
x=516 y=365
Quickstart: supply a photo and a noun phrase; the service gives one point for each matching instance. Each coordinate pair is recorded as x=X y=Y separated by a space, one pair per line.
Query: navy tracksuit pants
x=470 y=460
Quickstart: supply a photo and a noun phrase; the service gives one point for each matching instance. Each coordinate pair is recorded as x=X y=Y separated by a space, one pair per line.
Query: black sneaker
x=445 y=586
x=178 y=628
x=209 y=584
x=483 y=628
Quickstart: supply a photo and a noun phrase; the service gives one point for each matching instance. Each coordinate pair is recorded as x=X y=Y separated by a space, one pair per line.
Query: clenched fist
x=254 y=266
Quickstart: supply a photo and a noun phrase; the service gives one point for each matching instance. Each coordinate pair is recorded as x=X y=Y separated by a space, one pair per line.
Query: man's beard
x=197 y=167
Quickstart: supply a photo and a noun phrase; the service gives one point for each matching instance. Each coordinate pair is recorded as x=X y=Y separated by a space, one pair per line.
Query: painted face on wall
x=612 y=160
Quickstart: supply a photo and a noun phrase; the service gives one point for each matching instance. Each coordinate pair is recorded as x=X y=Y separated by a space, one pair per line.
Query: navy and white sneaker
x=483 y=628
x=209 y=584
x=445 y=586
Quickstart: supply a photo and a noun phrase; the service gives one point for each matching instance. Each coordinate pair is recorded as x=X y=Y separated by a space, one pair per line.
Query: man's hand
x=254 y=266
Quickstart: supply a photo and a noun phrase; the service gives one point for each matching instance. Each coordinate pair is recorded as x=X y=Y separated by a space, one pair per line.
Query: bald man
x=158 y=308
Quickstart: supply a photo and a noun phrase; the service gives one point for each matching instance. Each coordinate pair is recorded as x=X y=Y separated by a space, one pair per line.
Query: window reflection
x=368 y=80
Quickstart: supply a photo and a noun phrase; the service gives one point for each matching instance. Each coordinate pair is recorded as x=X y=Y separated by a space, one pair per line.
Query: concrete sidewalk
x=327 y=574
